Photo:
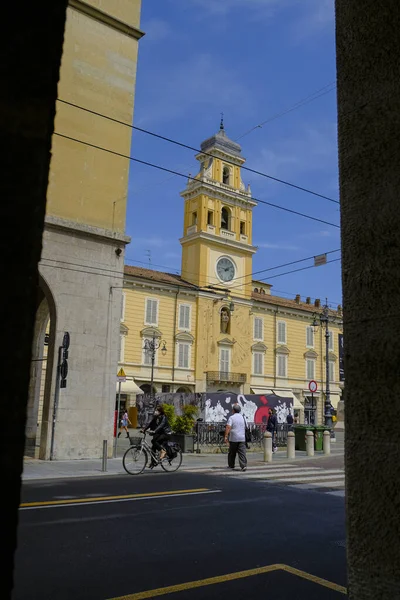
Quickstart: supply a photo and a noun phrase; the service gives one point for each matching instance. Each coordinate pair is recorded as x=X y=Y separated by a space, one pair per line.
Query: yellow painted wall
x=98 y=72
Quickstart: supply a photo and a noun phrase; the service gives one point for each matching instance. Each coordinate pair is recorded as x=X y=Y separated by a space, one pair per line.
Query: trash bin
x=300 y=436
x=319 y=436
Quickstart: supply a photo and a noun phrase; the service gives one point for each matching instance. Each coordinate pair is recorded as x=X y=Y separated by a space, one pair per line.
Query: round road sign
x=312 y=386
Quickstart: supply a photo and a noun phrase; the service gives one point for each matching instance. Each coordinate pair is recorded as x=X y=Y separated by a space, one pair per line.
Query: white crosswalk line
x=309 y=478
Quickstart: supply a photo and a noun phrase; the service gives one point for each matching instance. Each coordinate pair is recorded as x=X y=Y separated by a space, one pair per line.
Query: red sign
x=312 y=386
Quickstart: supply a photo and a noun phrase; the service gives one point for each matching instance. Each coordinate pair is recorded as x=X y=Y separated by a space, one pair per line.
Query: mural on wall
x=255 y=408
x=146 y=404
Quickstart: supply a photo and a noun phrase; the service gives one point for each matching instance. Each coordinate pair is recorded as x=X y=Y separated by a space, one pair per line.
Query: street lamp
x=323 y=318
x=151 y=347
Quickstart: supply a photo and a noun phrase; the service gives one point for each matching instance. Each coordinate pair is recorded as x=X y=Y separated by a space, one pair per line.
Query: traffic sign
x=66 y=340
x=312 y=386
x=121 y=376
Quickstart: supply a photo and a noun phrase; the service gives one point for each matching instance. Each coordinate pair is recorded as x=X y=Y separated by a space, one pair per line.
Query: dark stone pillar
x=31 y=46
x=368 y=65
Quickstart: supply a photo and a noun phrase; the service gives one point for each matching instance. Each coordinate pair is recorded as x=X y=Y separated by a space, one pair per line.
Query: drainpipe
x=275 y=342
x=173 y=338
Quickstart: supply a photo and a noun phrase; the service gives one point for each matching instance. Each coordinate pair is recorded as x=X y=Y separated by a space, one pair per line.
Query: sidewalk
x=35 y=469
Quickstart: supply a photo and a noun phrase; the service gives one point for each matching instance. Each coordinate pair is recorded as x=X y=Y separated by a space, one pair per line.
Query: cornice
x=52 y=222
x=219 y=241
x=210 y=189
x=102 y=17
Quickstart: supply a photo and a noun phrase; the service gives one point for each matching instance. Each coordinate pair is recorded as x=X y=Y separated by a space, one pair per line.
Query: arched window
x=226 y=175
x=225 y=218
x=256 y=290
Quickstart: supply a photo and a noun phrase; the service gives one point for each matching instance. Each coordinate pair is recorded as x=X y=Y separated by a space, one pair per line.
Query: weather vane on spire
x=221 y=125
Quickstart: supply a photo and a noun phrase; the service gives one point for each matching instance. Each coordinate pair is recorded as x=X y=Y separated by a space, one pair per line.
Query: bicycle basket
x=135 y=441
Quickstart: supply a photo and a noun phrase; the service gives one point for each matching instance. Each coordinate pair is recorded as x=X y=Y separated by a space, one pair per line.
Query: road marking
x=190 y=585
x=110 y=499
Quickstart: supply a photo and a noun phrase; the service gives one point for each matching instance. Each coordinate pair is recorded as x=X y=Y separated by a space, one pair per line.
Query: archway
x=146 y=388
x=42 y=362
x=183 y=389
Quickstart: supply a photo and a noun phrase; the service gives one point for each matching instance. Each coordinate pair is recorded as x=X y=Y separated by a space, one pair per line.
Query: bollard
x=104 y=460
x=310 y=443
x=327 y=442
x=267 y=446
x=290 y=445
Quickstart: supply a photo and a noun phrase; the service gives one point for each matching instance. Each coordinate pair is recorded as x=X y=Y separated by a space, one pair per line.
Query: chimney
x=308 y=300
x=317 y=303
x=297 y=299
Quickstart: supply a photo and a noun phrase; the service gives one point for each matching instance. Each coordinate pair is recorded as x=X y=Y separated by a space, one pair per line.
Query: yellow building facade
x=220 y=329
x=82 y=262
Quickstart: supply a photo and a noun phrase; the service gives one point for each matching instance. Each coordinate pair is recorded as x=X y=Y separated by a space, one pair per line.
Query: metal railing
x=211 y=434
x=226 y=376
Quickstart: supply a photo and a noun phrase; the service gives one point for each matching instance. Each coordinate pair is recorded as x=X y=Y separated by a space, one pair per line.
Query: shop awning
x=288 y=394
x=129 y=387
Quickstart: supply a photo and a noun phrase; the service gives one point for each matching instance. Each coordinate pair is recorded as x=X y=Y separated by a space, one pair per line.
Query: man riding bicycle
x=161 y=432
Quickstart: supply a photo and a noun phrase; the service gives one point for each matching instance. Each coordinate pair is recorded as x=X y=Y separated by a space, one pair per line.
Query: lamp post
x=151 y=347
x=324 y=319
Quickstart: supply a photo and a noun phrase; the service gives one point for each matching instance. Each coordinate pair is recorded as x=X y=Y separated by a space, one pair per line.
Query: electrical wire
x=298 y=270
x=143 y=162
x=172 y=141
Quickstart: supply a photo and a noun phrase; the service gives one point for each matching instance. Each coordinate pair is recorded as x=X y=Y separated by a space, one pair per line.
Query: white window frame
x=123 y=304
x=147 y=300
x=258 y=356
x=331 y=344
x=188 y=346
x=144 y=354
x=332 y=365
x=221 y=350
x=310 y=329
x=278 y=339
x=255 y=337
x=312 y=361
x=189 y=307
x=121 y=355
x=285 y=360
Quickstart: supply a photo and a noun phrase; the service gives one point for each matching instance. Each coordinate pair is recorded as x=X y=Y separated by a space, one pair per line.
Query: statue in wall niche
x=225 y=318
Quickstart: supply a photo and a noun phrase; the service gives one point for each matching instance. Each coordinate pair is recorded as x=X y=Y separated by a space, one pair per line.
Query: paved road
x=232 y=535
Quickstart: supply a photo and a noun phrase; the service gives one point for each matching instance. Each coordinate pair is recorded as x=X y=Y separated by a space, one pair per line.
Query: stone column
x=368 y=67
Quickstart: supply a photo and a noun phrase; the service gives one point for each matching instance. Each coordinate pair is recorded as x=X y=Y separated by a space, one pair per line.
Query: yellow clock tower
x=217 y=245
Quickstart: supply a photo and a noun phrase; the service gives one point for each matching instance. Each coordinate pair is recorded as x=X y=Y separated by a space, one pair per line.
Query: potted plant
x=182 y=426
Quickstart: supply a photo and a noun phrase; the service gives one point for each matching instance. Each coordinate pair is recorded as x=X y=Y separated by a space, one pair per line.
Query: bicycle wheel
x=172 y=464
x=135 y=460
x=224 y=448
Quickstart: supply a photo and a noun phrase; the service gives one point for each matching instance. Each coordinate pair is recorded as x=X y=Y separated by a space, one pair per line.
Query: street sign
x=66 y=341
x=312 y=386
x=121 y=376
x=320 y=259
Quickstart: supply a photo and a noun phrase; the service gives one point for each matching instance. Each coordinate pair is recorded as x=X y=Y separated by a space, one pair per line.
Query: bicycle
x=139 y=453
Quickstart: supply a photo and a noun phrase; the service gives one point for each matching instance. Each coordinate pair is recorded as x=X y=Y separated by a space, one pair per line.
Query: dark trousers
x=157 y=442
x=238 y=448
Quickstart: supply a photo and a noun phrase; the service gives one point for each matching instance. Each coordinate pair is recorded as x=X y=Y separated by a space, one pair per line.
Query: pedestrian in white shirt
x=235 y=433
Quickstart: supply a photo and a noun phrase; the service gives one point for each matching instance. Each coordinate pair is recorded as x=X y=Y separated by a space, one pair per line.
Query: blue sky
x=250 y=59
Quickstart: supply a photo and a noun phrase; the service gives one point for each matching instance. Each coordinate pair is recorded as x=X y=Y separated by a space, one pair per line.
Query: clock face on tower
x=225 y=269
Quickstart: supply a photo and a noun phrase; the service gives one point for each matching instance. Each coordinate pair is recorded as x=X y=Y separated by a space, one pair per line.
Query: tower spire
x=221 y=125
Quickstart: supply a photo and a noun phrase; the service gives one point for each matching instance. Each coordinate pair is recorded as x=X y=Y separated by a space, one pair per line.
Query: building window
x=184 y=317
x=258 y=363
x=224 y=360
x=225 y=218
x=123 y=302
x=281 y=334
x=210 y=218
x=330 y=341
x=281 y=366
x=183 y=355
x=242 y=228
x=121 y=348
x=310 y=369
x=310 y=337
x=258 y=328
x=331 y=370
x=226 y=175
x=146 y=357
x=151 y=311
x=165 y=388
x=194 y=218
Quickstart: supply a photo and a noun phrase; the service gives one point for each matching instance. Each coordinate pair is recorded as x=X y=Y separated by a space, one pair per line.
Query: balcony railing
x=226 y=377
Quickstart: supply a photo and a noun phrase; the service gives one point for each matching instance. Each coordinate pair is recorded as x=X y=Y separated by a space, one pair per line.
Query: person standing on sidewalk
x=235 y=433
x=272 y=427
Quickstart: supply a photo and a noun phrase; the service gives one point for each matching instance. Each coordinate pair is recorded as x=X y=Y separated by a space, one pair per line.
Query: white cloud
x=317 y=16
x=278 y=246
x=151 y=242
x=199 y=83
x=250 y=8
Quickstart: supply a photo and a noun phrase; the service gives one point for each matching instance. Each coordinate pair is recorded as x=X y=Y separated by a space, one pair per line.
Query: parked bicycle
x=140 y=454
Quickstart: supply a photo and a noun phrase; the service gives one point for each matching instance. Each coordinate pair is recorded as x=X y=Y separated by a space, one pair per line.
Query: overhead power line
x=182 y=145
x=149 y=164
x=314 y=96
